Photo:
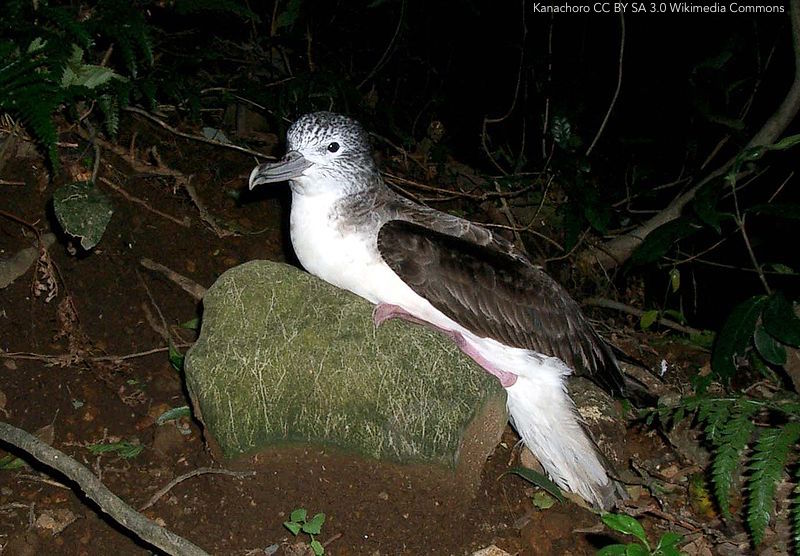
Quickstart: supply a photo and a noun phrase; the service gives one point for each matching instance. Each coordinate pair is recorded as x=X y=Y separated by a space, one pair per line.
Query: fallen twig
x=45 y=480
x=181 y=222
x=204 y=214
x=199 y=138
x=109 y=502
x=123 y=153
x=189 y=286
x=56 y=359
x=193 y=473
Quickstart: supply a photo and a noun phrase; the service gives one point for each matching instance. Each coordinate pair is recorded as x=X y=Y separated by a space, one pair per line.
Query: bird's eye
x=333 y=147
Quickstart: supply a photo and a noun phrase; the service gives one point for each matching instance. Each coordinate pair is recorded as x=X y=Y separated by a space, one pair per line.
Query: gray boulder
x=284 y=358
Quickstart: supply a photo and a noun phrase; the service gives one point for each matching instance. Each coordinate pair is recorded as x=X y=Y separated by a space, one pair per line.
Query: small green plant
x=299 y=523
x=537 y=479
x=125 y=450
x=667 y=544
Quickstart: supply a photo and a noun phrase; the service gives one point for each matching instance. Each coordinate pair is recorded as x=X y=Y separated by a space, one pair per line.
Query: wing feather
x=497 y=294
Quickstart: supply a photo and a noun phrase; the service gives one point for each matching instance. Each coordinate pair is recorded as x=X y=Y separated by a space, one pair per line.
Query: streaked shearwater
x=423 y=265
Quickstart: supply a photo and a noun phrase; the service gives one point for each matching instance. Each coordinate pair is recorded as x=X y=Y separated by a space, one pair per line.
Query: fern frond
x=28 y=92
x=731 y=440
x=109 y=106
x=795 y=511
x=714 y=415
x=768 y=461
x=123 y=25
x=66 y=23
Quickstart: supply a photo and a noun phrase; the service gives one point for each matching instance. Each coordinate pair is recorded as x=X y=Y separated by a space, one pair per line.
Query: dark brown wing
x=404 y=209
x=496 y=295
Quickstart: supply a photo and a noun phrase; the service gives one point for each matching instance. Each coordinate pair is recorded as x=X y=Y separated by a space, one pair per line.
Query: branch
x=193 y=473
x=616 y=91
x=617 y=251
x=109 y=502
x=188 y=285
x=617 y=306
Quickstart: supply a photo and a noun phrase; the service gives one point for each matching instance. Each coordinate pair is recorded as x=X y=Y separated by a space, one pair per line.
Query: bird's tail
x=546 y=419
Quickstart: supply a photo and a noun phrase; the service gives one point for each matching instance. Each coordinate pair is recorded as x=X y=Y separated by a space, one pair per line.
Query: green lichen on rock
x=285 y=358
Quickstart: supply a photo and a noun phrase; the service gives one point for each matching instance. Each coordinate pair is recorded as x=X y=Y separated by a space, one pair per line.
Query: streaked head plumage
x=323 y=147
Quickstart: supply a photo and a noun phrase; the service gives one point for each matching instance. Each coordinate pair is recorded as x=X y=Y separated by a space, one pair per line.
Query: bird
x=422 y=265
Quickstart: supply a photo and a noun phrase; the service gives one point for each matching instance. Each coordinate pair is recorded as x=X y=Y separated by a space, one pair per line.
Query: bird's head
x=326 y=153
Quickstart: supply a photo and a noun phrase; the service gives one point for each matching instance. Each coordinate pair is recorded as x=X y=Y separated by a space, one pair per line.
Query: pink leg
x=385 y=311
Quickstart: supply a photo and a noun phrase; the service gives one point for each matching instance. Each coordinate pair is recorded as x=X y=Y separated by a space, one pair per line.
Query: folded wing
x=498 y=295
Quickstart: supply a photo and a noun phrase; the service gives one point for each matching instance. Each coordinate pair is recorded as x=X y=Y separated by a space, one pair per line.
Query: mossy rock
x=284 y=358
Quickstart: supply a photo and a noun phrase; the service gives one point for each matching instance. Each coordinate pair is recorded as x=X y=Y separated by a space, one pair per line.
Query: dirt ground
x=107 y=304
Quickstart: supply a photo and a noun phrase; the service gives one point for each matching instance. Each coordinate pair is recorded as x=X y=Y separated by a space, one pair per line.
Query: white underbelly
x=352 y=262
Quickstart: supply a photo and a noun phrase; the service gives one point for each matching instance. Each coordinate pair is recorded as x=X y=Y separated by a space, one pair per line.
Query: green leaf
x=660 y=240
x=193 y=324
x=675 y=315
x=289 y=16
x=675 y=279
x=636 y=550
x=613 y=550
x=82 y=211
x=781 y=321
x=542 y=500
x=298 y=515
x=10 y=463
x=759 y=364
x=735 y=336
x=598 y=216
x=705 y=339
x=561 y=130
x=293 y=527
x=314 y=525
x=785 y=143
x=36 y=44
x=781 y=268
x=176 y=358
x=669 y=551
x=749 y=154
x=174 y=413
x=537 y=479
x=317 y=547
x=625 y=524
x=668 y=540
x=769 y=348
x=648 y=318
x=705 y=205
x=78 y=74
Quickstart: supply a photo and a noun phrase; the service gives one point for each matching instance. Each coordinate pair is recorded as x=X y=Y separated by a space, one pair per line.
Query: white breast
x=351 y=261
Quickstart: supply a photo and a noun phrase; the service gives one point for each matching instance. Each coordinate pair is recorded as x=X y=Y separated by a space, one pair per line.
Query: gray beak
x=290 y=166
